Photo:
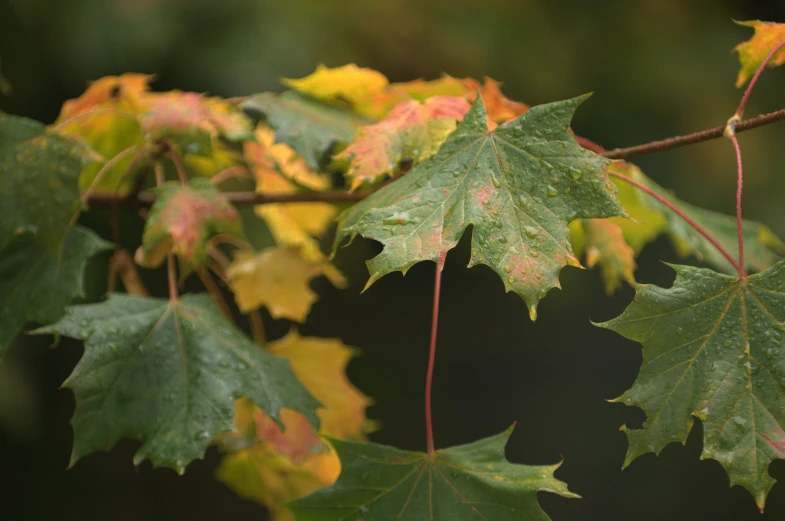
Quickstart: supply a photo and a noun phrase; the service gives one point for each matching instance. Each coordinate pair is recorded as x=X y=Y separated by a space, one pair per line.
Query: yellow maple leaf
x=282 y=465
x=276 y=278
x=754 y=51
x=361 y=88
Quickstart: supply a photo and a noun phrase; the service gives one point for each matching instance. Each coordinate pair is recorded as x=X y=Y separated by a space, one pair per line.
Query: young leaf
x=519 y=186
x=754 y=51
x=712 y=349
x=277 y=278
x=167 y=373
x=36 y=285
x=605 y=244
x=39 y=175
x=412 y=131
x=182 y=220
x=281 y=466
x=467 y=482
x=310 y=127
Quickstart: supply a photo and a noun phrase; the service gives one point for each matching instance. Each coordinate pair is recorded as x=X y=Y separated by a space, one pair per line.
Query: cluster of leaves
x=179 y=373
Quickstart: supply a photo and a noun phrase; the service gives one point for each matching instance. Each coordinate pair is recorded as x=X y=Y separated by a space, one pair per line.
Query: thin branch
x=696 y=137
x=252 y=198
x=432 y=353
x=215 y=292
x=257 y=327
x=681 y=214
x=178 y=164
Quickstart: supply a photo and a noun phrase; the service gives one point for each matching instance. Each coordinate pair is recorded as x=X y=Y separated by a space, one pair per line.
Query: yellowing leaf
x=320 y=364
x=605 y=242
x=277 y=466
x=754 y=51
x=412 y=131
x=277 y=278
x=421 y=90
x=356 y=86
x=279 y=170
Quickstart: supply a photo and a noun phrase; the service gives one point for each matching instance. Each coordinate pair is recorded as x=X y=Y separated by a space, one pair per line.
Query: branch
x=244 y=198
x=696 y=137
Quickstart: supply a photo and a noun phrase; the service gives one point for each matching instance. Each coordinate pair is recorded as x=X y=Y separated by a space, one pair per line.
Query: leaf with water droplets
x=412 y=131
x=514 y=185
x=472 y=481
x=168 y=373
x=752 y=52
x=182 y=220
x=36 y=286
x=39 y=176
x=712 y=349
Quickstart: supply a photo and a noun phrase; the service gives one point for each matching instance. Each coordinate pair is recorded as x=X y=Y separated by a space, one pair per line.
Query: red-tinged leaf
x=754 y=51
x=182 y=220
x=412 y=131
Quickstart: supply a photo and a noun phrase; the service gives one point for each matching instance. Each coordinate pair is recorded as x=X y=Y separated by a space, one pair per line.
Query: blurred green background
x=658 y=69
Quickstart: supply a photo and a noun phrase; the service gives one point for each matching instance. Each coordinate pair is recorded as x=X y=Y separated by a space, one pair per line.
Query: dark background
x=658 y=68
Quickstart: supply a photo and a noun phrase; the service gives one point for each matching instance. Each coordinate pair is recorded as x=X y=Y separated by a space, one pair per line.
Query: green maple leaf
x=312 y=128
x=182 y=220
x=168 y=373
x=713 y=350
x=37 y=286
x=39 y=181
x=467 y=482
x=519 y=186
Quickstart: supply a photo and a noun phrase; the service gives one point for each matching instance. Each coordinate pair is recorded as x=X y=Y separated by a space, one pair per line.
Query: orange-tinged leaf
x=275 y=466
x=754 y=51
x=412 y=130
x=358 y=87
x=605 y=243
x=499 y=108
x=182 y=220
x=276 y=278
x=124 y=93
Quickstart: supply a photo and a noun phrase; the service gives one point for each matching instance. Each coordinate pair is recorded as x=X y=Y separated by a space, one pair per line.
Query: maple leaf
x=36 y=285
x=182 y=220
x=519 y=186
x=167 y=373
x=279 y=170
x=412 y=131
x=421 y=90
x=283 y=465
x=711 y=350
x=39 y=174
x=762 y=247
x=754 y=51
x=310 y=127
x=605 y=243
x=472 y=481
x=357 y=87
x=277 y=278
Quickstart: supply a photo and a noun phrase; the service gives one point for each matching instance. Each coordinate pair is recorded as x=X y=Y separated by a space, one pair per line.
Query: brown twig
x=215 y=292
x=696 y=137
x=257 y=327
